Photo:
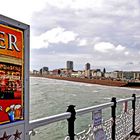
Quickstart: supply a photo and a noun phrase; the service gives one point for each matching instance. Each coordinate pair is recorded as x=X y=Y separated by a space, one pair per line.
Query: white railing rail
x=48 y=120
x=93 y=108
x=125 y=100
x=63 y=116
x=71 y=115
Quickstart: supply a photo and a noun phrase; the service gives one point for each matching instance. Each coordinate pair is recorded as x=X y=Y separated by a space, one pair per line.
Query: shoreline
x=90 y=81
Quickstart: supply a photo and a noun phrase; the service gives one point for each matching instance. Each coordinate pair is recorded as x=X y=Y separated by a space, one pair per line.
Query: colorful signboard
x=11 y=74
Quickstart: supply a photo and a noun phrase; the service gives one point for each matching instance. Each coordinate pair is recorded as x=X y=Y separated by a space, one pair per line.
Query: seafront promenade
x=84 y=80
x=106 y=82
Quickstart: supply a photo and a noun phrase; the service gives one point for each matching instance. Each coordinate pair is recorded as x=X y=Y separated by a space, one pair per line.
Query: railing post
x=133 y=115
x=71 y=121
x=113 y=115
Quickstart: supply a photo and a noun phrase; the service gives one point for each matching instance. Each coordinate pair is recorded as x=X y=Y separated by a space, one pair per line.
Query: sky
x=104 y=33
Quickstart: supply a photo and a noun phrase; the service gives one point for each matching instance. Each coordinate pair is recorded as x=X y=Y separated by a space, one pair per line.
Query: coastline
x=90 y=81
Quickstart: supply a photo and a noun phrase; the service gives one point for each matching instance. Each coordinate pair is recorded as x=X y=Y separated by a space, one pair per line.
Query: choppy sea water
x=49 y=97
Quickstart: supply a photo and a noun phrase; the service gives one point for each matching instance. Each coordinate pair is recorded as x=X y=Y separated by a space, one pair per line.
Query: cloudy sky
x=104 y=33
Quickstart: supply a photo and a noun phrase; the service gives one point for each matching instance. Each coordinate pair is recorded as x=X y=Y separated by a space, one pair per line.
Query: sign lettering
x=97 y=118
x=11 y=42
x=2 y=40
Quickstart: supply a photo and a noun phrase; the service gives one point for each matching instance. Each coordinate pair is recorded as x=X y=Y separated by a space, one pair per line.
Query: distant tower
x=45 y=68
x=104 y=70
x=87 y=66
x=69 y=65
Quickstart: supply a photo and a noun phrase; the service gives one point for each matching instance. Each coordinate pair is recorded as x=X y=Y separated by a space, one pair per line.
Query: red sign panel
x=11 y=74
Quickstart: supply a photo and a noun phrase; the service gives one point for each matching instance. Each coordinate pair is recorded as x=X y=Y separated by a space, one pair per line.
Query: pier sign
x=14 y=79
x=99 y=134
x=11 y=74
x=97 y=118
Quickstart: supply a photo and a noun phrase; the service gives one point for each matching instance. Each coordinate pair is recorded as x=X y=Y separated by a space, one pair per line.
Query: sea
x=50 y=97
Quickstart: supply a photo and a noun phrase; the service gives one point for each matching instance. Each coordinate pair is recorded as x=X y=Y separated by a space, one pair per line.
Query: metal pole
x=71 y=121
x=133 y=115
x=113 y=115
x=134 y=109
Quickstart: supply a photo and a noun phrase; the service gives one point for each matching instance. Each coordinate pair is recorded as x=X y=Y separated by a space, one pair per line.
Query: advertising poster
x=11 y=74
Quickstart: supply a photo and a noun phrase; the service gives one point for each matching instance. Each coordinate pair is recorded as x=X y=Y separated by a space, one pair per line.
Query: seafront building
x=123 y=75
x=34 y=72
x=44 y=71
x=87 y=66
x=69 y=65
x=89 y=73
x=97 y=74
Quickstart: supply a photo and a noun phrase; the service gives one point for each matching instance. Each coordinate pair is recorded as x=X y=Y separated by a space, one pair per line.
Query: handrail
x=59 y=117
x=47 y=120
x=124 y=100
x=137 y=97
x=71 y=114
x=93 y=108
